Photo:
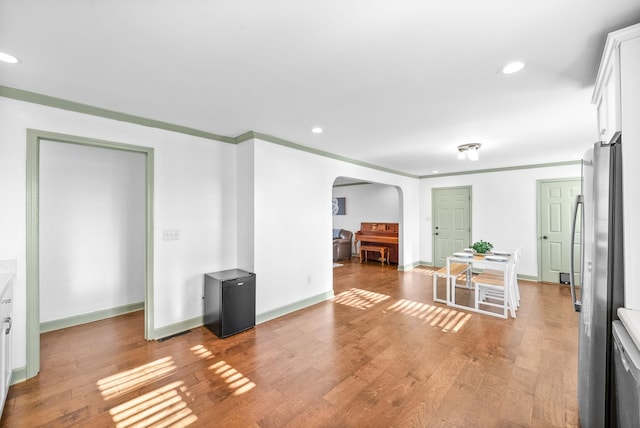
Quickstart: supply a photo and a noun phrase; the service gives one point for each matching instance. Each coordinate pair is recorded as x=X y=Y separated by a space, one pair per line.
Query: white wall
x=195 y=192
x=367 y=203
x=92 y=229
x=293 y=245
x=196 y=186
x=503 y=210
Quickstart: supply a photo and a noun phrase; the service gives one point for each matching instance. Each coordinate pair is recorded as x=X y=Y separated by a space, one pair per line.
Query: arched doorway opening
x=357 y=201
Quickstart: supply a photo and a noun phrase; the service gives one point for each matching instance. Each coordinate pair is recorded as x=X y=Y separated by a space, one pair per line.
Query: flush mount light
x=512 y=67
x=5 y=57
x=470 y=151
x=316 y=130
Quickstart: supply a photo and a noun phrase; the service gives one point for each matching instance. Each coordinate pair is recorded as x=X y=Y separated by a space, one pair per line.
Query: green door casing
x=451 y=222
x=555 y=205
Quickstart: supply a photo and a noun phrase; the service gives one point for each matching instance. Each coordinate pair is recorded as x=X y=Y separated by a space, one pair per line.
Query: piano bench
x=384 y=252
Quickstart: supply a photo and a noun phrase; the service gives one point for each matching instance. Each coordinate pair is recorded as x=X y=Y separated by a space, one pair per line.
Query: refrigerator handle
x=577 y=305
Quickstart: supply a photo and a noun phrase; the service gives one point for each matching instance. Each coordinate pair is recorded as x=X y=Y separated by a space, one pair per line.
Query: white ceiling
x=398 y=84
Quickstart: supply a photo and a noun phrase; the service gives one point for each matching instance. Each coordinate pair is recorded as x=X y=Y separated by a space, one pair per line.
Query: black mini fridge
x=229 y=301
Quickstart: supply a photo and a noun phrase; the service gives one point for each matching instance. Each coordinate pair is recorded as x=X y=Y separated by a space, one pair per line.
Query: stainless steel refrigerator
x=597 y=287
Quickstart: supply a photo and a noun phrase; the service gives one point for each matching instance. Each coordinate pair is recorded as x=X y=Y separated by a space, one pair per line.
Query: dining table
x=499 y=262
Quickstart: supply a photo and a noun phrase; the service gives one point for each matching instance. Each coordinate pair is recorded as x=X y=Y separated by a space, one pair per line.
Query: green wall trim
x=406 y=268
x=46 y=100
x=279 y=141
x=48 y=326
x=33 y=256
x=292 y=307
x=18 y=375
x=352 y=184
x=84 y=141
x=508 y=168
x=178 y=327
x=425 y=263
x=49 y=101
x=33 y=240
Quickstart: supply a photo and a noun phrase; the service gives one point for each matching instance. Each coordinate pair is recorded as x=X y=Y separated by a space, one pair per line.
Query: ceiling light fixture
x=512 y=67
x=5 y=57
x=316 y=130
x=470 y=151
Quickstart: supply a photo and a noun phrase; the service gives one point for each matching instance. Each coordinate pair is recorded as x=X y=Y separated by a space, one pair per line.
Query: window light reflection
x=201 y=351
x=162 y=407
x=130 y=380
x=447 y=319
x=361 y=299
x=235 y=380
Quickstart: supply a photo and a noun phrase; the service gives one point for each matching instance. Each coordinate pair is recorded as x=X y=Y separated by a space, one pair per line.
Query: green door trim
x=33 y=238
x=539 y=184
x=433 y=215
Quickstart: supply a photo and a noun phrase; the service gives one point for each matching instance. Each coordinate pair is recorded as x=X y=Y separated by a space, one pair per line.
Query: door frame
x=33 y=237
x=539 y=184
x=433 y=215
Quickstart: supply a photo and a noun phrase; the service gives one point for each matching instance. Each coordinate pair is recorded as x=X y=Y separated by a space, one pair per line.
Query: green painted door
x=451 y=222
x=555 y=214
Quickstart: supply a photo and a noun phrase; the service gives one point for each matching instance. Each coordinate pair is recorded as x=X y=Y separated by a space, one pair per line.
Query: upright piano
x=382 y=234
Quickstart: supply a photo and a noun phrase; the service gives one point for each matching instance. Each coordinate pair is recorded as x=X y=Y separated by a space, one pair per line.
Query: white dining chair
x=455 y=270
x=491 y=290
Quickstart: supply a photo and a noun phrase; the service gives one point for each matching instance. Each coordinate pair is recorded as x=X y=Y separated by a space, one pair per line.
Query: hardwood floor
x=380 y=354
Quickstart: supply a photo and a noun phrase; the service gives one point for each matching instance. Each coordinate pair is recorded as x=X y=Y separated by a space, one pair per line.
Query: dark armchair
x=342 y=245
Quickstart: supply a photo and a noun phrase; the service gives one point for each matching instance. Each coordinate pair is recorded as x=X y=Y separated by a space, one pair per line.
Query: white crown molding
x=614 y=39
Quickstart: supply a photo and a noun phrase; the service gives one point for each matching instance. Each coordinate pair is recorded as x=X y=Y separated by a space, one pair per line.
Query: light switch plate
x=171 y=235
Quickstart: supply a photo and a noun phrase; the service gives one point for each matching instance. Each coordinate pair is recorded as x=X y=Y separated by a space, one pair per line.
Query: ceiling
x=395 y=84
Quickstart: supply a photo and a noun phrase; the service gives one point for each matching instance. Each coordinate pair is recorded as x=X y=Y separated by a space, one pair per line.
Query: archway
x=361 y=201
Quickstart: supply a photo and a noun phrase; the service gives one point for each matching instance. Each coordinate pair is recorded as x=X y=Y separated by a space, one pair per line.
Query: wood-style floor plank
x=381 y=353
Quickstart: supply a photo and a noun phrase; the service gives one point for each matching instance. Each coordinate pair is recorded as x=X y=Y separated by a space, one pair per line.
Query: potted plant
x=482 y=247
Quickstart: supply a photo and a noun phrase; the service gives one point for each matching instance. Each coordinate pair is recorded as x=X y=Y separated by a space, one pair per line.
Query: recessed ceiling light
x=5 y=57
x=512 y=67
x=435 y=171
x=316 y=130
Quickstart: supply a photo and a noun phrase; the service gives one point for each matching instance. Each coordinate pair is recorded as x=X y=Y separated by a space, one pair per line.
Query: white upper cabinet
x=606 y=95
x=617 y=98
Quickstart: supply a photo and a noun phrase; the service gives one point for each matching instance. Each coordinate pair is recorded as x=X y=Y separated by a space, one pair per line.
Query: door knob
x=436 y=233
x=545 y=237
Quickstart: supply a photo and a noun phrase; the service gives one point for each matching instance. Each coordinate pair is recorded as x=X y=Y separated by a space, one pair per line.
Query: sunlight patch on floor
x=446 y=319
x=130 y=380
x=422 y=271
x=163 y=407
x=201 y=351
x=361 y=299
x=235 y=380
